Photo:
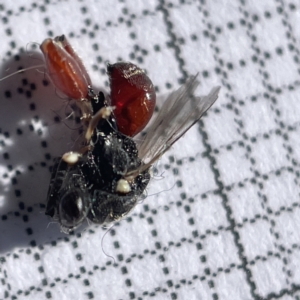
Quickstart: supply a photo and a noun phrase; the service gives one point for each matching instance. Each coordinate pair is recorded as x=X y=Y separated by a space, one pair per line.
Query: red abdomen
x=133 y=95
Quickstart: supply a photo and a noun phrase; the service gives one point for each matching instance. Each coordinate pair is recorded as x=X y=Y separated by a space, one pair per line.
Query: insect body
x=103 y=181
x=95 y=187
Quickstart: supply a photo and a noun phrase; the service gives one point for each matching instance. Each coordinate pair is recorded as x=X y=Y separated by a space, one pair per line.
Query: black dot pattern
x=222 y=214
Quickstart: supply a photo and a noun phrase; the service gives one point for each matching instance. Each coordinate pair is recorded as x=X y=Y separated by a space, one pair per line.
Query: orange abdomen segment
x=65 y=68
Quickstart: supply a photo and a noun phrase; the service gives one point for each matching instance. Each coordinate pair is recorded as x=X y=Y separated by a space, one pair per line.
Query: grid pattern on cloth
x=222 y=216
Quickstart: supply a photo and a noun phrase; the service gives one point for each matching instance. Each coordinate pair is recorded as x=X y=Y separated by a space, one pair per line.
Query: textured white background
x=222 y=218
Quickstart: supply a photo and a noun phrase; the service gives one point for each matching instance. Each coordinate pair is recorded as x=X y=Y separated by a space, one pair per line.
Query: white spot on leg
x=123 y=186
x=71 y=157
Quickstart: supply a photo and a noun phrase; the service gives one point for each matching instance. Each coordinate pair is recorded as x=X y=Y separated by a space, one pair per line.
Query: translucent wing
x=180 y=111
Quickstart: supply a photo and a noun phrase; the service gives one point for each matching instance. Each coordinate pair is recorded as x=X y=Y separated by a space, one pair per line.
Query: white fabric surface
x=222 y=218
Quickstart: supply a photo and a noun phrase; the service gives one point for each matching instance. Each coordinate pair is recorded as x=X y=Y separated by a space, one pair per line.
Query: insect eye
x=133 y=95
x=72 y=209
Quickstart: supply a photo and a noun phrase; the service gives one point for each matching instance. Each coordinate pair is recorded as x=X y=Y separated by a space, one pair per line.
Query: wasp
x=103 y=180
